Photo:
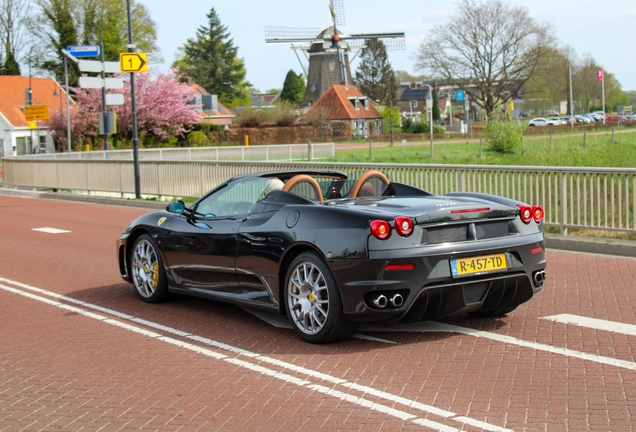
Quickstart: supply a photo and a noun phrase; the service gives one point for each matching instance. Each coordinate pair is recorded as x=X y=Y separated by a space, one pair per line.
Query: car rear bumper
x=429 y=289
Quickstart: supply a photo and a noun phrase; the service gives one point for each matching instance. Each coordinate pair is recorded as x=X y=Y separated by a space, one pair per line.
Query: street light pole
x=68 y=107
x=104 y=107
x=430 y=108
x=135 y=139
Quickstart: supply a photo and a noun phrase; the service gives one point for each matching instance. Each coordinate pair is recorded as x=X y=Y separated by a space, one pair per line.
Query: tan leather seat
x=369 y=184
x=304 y=186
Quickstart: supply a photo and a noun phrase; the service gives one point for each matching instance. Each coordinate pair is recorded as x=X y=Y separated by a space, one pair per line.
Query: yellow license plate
x=480 y=264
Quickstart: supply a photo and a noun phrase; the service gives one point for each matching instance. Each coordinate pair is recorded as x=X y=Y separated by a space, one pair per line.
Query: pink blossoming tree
x=162 y=111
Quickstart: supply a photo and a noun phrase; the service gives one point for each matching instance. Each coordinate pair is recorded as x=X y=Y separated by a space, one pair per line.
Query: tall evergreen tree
x=374 y=70
x=293 y=88
x=211 y=60
x=436 y=116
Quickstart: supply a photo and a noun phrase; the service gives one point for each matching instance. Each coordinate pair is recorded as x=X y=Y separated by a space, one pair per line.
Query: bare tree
x=489 y=49
x=14 y=23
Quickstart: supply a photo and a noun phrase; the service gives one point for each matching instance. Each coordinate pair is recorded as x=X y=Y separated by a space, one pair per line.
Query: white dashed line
x=50 y=230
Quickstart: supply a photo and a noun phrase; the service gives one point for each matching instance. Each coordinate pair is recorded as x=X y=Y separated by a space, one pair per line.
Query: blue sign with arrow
x=83 y=51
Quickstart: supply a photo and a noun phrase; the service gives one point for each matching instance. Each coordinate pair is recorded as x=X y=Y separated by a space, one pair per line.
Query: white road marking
x=257 y=368
x=593 y=323
x=436 y=327
x=50 y=230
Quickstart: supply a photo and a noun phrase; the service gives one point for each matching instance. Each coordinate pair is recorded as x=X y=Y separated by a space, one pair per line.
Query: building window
x=355 y=102
x=365 y=103
x=413 y=104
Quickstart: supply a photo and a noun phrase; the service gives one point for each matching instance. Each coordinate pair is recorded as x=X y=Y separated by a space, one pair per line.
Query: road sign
x=459 y=95
x=114 y=99
x=33 y=125
x=36 y=112
x=97 y=83
x=83 y=51
x=96 y=66
x=133 y=62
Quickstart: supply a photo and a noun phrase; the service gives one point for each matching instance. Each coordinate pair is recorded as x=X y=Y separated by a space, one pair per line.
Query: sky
x=604 y=30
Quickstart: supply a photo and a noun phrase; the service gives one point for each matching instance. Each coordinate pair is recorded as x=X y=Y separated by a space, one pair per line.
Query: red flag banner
x=600 y=74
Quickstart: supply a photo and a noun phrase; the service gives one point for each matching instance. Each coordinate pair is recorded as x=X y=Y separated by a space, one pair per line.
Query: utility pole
x=135 y=139
x=430 y=108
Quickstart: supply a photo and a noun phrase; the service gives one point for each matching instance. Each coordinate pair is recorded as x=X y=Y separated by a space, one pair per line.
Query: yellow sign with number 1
x=133 y=62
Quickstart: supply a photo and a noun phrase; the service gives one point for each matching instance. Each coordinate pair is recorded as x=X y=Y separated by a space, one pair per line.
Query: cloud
x=632 y=12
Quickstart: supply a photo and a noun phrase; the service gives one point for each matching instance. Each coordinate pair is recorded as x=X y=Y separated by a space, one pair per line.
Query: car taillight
x=528 y=213
x=403 y=225
x=380 y=229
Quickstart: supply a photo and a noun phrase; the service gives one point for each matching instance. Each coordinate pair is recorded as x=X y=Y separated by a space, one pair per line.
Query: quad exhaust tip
x=381 y=301
x=397 y=300
x=539 y=277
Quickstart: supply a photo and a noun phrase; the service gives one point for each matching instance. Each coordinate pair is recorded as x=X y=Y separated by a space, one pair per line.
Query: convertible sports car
x=332 y=252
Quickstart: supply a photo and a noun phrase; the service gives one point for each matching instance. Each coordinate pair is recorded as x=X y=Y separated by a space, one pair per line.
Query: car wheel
x=313 y=301
x=493 y=313
x=148 y=273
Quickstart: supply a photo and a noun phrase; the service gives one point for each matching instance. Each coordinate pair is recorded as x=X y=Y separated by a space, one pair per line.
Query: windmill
x=328 y=50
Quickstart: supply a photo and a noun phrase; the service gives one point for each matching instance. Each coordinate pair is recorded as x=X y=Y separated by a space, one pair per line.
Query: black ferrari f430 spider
x=331 y=252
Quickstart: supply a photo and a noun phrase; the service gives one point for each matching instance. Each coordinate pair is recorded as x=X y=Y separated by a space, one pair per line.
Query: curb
x=596 y=245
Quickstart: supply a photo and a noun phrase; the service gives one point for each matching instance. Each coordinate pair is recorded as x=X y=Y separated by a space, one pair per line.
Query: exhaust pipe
x=381 y=301
x=397 y=300
x=539 y=277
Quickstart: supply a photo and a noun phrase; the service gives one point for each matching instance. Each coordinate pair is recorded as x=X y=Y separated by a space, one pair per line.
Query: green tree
x=61 y=23
x=436 y=114
x=374 y=70
x=488 y=48
x=10 y=67
x=15 y=18
x=293 y=88
x=211 y=60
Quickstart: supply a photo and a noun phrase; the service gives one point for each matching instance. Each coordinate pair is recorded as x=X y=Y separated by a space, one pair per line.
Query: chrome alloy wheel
x=308 y=298
x=145 y=268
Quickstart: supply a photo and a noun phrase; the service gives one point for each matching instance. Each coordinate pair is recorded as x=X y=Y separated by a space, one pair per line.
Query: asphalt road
x=80 y=351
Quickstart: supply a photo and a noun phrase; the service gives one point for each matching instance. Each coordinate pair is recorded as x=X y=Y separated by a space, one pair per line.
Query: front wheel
x=313 y=302
x=147 y=271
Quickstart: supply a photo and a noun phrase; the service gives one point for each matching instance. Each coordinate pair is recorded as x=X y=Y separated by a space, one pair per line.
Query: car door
x=200 y=246
x=200 y=252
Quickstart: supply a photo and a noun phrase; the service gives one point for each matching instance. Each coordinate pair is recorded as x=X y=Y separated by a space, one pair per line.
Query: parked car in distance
x=552 y=113
x=333 y=252
x=569 y=119
x=583 y=119
x=537 y=122
x=555 y=121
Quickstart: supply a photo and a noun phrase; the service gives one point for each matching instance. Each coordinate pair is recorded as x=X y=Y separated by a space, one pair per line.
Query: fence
x=279 y=152
x=590 y=198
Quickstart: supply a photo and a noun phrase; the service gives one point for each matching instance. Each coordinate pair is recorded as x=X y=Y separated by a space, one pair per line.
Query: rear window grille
x=460 y=233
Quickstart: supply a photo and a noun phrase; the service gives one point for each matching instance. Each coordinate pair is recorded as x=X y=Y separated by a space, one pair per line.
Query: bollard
x=584 y=138
x=612 y=136
x=521 y=145
x=370 y=149
x=310 y=151
x=480 y=143
x=550 y=141
x=247 y=140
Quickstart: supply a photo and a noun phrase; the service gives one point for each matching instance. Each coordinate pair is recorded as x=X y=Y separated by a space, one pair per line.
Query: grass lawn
x=537 y=151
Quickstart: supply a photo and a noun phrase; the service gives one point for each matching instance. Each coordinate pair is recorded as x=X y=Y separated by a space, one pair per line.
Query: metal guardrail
x=279 y=152
x=572 y=197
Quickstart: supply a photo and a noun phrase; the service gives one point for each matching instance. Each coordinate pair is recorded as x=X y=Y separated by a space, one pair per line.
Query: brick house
x=346 y=103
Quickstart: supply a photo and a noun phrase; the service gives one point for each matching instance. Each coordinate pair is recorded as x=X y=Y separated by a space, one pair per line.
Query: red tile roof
x=12 y=96
x=337 y=100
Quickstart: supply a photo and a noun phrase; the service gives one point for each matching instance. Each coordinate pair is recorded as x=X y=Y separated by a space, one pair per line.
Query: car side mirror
x=176 y=207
